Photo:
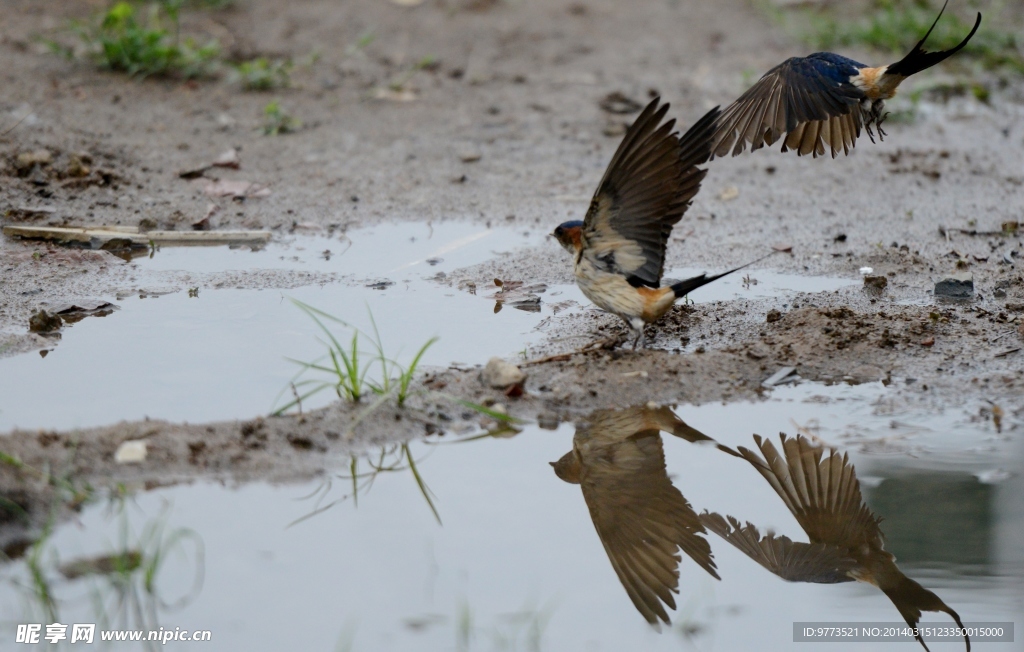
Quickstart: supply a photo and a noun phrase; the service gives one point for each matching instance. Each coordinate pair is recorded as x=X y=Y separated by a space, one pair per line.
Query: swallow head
x=569 y=468
x=570 y=235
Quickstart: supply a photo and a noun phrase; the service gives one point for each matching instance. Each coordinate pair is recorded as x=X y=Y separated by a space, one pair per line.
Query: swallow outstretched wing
x=643 y=521
x=647 y=187
x=820 y=490
x=815 y=102
x=808 y=101
x=791 y=560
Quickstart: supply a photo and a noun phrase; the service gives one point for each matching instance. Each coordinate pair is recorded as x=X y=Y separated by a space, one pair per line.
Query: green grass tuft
x=143 y=42
x=262 y=74
x=349 y=366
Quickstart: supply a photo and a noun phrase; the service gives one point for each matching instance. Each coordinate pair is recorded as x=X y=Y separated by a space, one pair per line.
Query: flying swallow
x=619 y=248
x=641 y=518
x=823 y=493
x=821 y=100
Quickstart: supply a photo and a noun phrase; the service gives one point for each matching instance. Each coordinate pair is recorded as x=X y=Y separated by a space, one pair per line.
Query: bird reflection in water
x=640 y=517
x=820 y=488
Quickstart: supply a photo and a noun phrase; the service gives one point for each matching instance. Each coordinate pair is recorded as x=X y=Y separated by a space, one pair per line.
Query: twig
x=15 y=125
x=607 y=343
x=1000 y=336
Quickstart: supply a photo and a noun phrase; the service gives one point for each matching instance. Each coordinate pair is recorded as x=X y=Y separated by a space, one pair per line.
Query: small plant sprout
x=262 y=74
x=360 y=45
x=276 y=121
x=399 y=82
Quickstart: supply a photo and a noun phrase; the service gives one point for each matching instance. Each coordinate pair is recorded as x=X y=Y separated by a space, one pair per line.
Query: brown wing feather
x=643 y=521
x=792 y=561
x=821 y=491
x=645 y=191
x=800 y=106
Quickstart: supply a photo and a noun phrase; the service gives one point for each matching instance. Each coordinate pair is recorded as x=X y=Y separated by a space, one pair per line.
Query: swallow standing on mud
x=619 y=248
x=820 y=100
x=641 y=518
x=823 y=493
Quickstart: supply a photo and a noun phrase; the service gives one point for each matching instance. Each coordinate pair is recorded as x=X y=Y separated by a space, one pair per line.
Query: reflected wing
x=790 y=560
x=612 y=425
x=810 y=100
x=642 y=521
x=646 y=189
x=821 y=491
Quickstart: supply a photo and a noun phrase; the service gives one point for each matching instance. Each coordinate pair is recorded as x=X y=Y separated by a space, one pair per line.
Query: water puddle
x=198 y=341
x=517 y=558
x=220 y=352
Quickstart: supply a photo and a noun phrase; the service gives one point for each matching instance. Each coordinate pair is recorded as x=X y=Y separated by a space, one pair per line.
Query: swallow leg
x=881 y=132
x=636 y=325
x=875 y=115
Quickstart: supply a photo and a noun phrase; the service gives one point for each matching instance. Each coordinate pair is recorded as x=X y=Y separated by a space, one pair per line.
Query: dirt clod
x=44 y=322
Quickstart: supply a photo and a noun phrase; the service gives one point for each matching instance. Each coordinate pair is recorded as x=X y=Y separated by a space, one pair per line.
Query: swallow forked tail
x=682 y=288
x=911 y=599
x=918 y=59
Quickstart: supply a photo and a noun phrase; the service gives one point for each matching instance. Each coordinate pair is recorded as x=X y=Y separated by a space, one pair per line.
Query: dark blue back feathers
x=833 y=66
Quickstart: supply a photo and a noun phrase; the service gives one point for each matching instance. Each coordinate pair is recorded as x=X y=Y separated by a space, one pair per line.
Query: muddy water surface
x=512 y=559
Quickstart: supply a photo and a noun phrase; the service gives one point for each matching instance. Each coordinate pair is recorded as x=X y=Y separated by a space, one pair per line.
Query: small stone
x=470 y=156
x=729 y=193
x=132 y=451
x=228 y=159
x=956 y=286
x=930 y=341
x=773 y=316
x=500 y=374
x=999 y=293
x=44 y=322
x=876 y=282
x=39 y=157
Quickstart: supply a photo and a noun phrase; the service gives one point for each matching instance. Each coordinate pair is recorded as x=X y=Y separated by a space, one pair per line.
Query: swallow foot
x=881 y=132
x=871 y=134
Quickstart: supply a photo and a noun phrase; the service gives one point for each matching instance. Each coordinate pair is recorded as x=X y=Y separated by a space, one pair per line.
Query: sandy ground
x=506 y=127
